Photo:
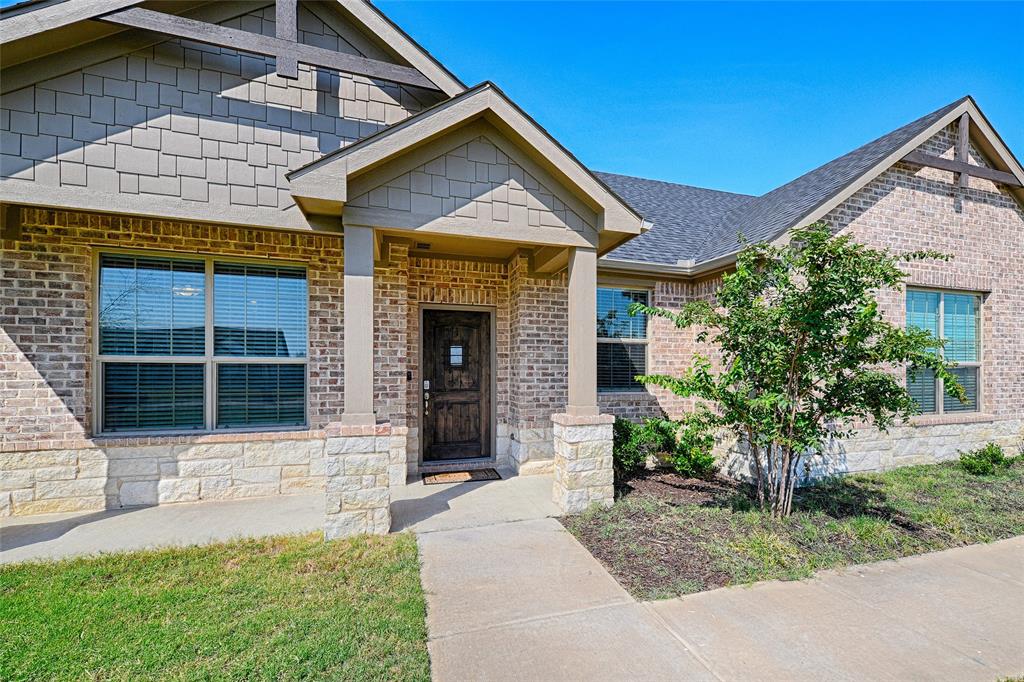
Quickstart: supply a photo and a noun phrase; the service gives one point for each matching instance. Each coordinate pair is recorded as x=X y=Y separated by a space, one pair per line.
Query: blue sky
x=740 y=97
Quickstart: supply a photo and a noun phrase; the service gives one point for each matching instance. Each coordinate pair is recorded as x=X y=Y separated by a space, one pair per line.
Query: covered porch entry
x=471 y=241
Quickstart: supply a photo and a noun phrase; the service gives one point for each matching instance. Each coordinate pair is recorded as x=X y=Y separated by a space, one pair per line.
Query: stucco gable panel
x=476 y=180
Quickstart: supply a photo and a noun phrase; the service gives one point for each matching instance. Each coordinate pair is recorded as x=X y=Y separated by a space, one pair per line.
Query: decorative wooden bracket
x=287 y=51
x=961 y=165
x=963 y=145
x=287 y=29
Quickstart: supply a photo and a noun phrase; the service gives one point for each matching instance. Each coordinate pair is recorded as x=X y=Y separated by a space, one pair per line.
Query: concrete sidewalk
x=525 y=601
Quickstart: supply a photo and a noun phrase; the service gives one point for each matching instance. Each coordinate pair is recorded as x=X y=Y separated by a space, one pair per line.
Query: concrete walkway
x=414 y=507
x=525 y=601
x=424 y=508
x=55 y=536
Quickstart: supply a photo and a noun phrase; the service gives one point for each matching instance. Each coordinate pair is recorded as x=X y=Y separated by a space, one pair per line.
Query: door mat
x=461 y=476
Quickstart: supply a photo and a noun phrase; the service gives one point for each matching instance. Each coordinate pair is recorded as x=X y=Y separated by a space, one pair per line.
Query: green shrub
x=687 y=450
x=692 y=456
x=983 y=461
x=634 y=443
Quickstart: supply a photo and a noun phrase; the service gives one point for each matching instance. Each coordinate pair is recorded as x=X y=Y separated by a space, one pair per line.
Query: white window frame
x=940 y=389
x=209 y=361
x=644 y=341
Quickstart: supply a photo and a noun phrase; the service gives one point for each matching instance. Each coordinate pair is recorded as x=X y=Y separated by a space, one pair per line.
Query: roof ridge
x=677 y=184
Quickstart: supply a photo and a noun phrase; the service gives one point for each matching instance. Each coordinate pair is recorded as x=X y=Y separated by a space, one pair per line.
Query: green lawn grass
x=658 y=547
x=280 y=608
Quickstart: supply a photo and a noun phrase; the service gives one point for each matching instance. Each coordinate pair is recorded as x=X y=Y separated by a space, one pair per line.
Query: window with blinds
x=199 y=344
x=621 y=340
x=955 y=318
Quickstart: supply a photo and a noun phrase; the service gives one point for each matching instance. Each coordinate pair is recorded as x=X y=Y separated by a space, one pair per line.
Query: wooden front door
x=456 y=384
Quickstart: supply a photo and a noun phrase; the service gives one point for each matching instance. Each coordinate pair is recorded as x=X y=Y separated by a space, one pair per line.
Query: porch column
x=358 y=324
x=582 y=436
x=356 y=458
x=582 y=333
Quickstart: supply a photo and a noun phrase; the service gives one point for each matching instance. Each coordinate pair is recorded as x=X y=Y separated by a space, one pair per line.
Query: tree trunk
x=755 y=453
x=792 y=485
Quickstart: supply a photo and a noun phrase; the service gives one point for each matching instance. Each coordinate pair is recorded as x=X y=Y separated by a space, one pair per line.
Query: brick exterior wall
x=49 y=456
x=212 y=128
x=48 y=280
x=539 y=362
x=905 y=209
x=667 y=348
x=51 y=460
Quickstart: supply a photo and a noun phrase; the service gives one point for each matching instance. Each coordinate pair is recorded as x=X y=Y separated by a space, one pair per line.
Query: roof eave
x=682 y=270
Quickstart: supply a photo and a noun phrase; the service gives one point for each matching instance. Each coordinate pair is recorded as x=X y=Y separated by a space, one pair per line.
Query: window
x=455 y=356
x=199 y=344
x=956 y=318
x=621 y=340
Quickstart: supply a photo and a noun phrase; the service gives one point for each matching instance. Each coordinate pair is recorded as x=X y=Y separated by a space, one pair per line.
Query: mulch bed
x=664 y=549
x=677 y=490
x=667 y=535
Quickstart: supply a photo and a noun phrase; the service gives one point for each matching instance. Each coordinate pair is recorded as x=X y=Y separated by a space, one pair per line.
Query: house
x=255 y=248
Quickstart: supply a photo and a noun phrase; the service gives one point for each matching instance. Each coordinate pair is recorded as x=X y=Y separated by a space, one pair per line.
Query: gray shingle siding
x=181 y=109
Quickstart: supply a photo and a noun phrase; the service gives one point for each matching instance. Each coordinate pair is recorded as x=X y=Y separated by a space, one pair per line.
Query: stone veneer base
x=904 y=445
x=583 y=462
x=358 y=494
x=113 y=477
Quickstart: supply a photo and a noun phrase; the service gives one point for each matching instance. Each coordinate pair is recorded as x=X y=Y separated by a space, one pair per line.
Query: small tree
x=805 y=353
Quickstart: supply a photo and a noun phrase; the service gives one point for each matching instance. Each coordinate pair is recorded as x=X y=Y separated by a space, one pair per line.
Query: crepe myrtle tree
x=804 y=353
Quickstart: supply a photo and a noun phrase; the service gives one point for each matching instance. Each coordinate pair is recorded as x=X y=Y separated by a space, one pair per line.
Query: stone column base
x=357 y=490
x=583 y=462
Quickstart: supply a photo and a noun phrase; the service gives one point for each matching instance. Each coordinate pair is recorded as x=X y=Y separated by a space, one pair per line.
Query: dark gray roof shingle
x=682 y=217
x=700 y=224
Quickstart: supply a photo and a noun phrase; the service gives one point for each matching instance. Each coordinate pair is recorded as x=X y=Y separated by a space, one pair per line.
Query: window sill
x=961 y=418
x=198 y=436
x=622 y=393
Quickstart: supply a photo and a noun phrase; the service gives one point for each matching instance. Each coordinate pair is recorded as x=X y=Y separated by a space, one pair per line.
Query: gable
x=558 y=202
x=184 y=129
x=478 y=180
x=812 y=195
x=52 y=34
x=909 y=202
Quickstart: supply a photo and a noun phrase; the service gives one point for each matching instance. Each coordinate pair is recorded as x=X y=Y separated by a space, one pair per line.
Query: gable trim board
x=267 y=46
x=1002 y=154
x=26 y=25
x=105 y=47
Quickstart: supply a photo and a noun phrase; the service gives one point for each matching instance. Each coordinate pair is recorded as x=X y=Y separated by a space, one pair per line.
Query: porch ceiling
x=439 y=246
x=471 y=176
